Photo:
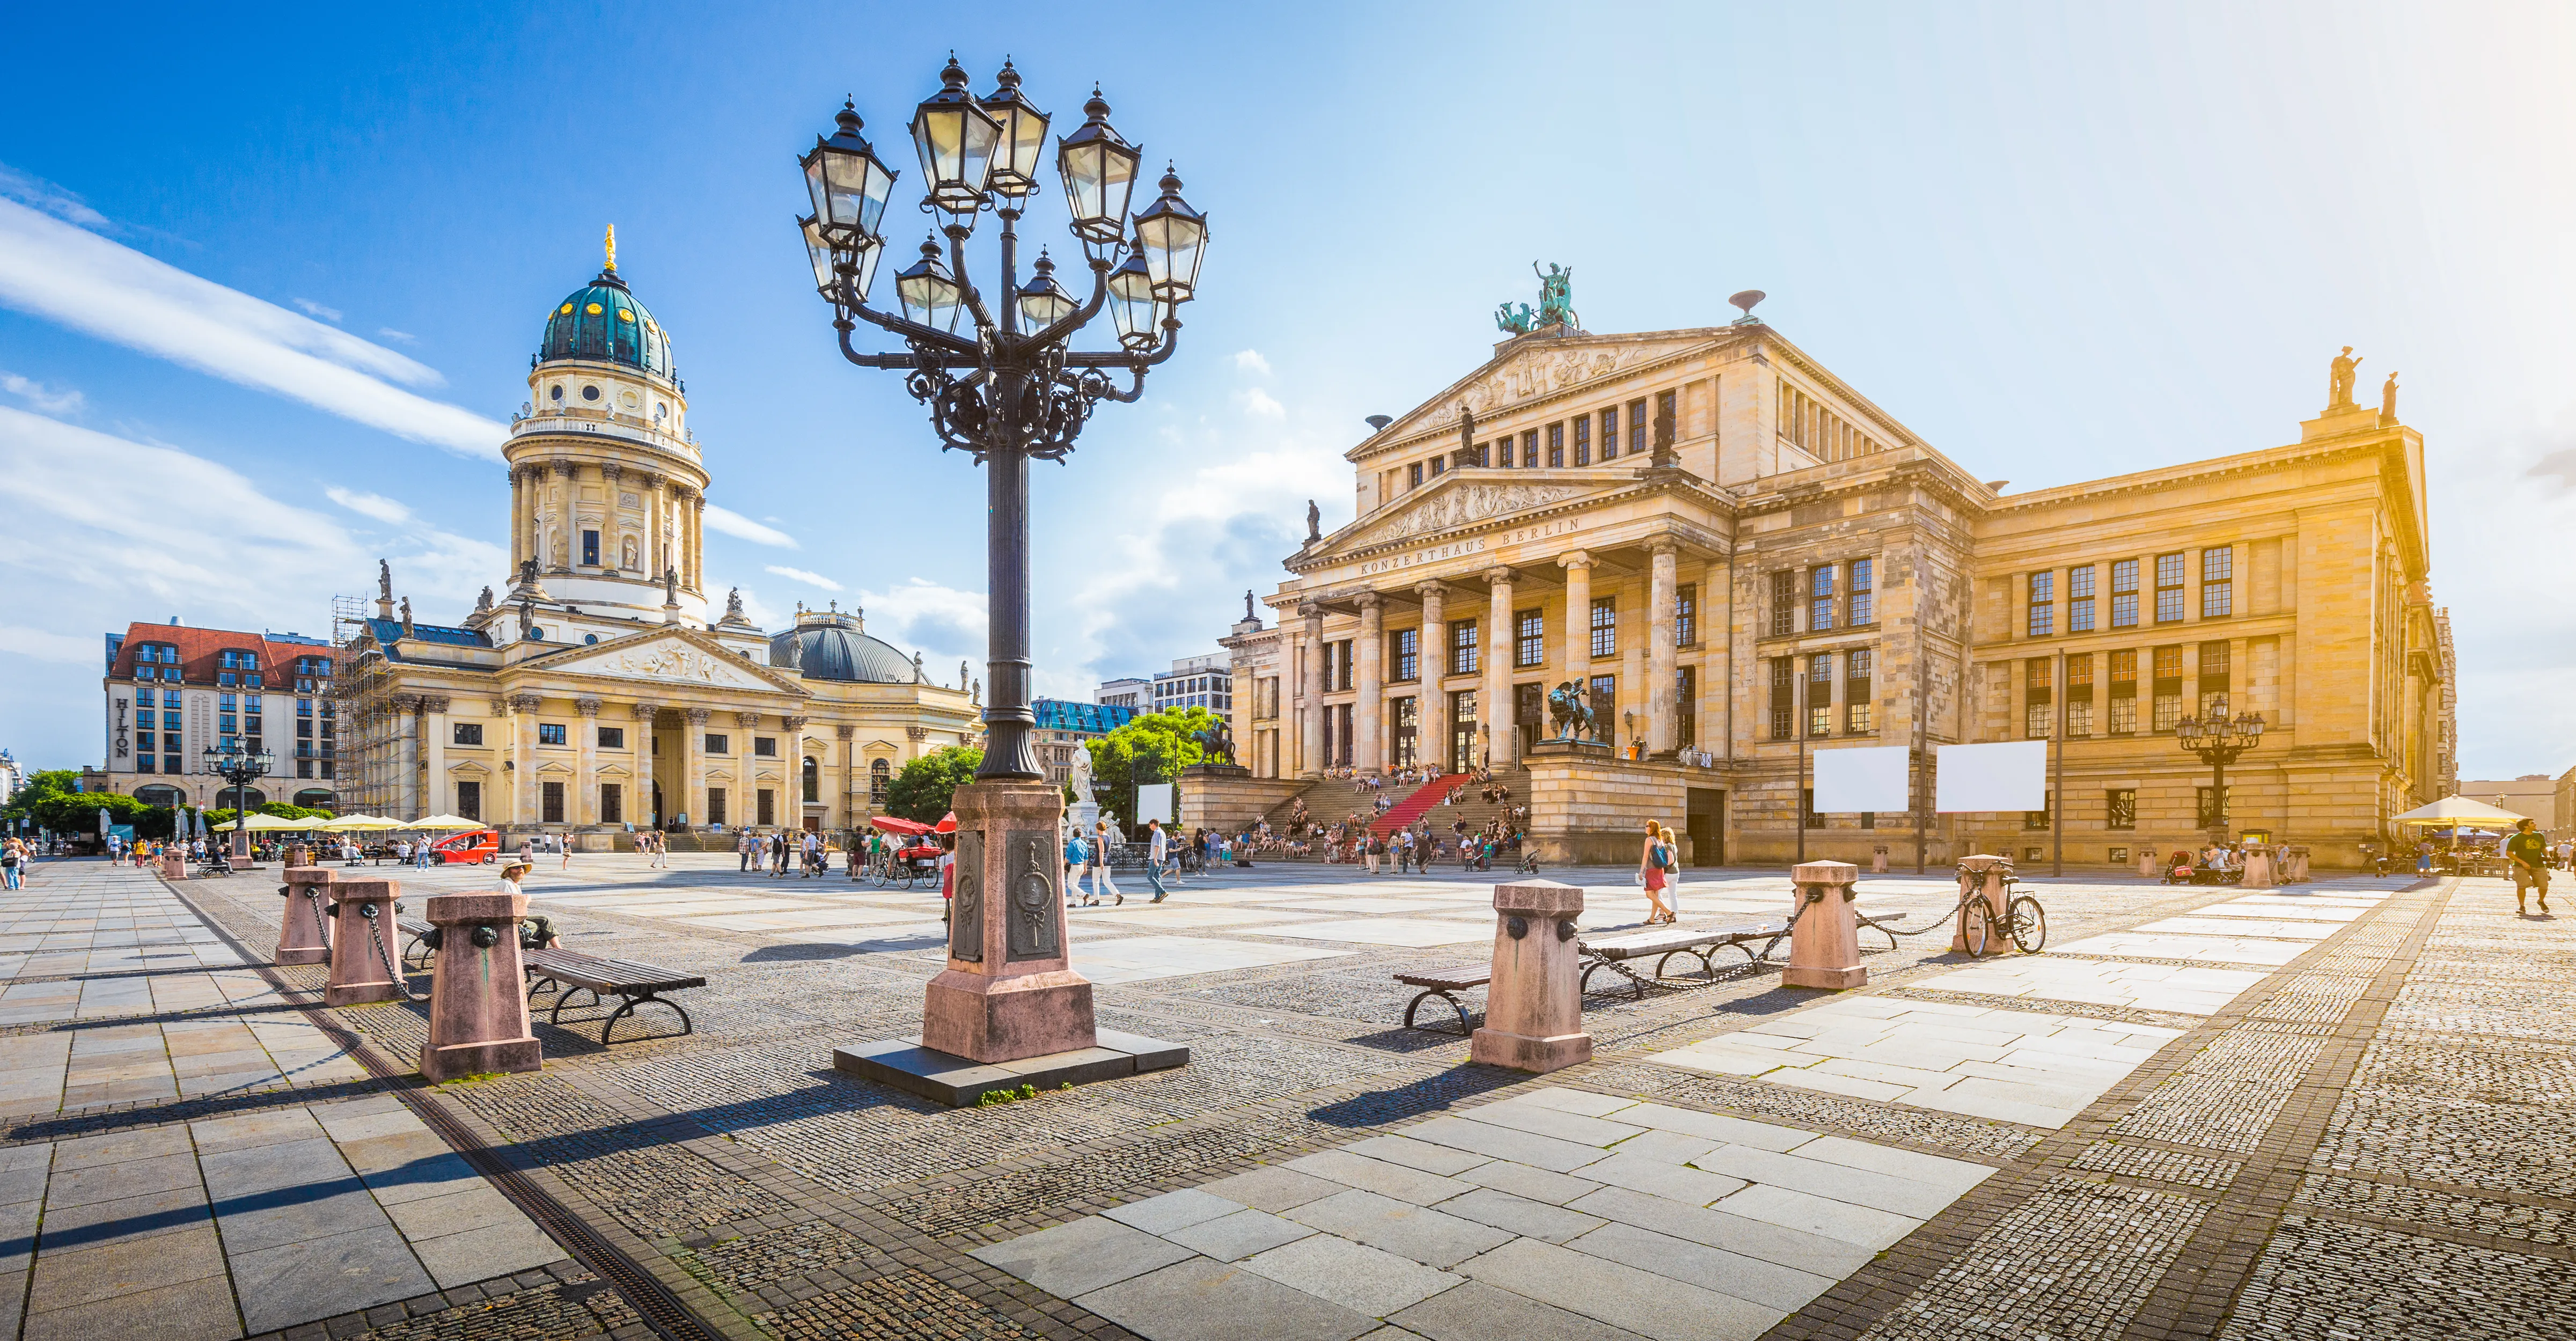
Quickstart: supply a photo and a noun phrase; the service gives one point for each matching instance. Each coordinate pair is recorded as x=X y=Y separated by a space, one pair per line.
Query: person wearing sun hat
x=510 y=875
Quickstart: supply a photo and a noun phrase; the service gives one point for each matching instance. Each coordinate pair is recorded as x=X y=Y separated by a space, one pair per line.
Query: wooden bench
x=1445 y=983
x=1611 y=952
x=569 y=971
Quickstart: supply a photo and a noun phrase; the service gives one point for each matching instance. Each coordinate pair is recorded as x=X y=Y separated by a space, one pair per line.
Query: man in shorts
x=2526 y=854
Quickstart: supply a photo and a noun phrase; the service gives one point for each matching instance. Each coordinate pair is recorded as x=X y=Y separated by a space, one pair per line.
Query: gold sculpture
x=612 y=247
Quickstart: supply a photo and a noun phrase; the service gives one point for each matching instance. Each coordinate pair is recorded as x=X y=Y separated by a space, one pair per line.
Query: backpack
x=1663 y=857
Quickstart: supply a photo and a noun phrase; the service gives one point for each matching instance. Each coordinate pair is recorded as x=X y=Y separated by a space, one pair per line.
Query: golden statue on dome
x=612 y=248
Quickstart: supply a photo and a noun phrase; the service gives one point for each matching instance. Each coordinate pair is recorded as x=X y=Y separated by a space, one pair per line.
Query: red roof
x=199 y=650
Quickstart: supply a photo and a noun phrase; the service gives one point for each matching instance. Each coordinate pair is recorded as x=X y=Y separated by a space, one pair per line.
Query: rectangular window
x=1820 y=599
x=1483 y=460
x=550 y=733
x=590 y=548
x=550 y=802
x=1863 y=596
x=2168 y=588
x=612 y=803
x=1415 y=481
x=1784 y=689
x=1605 y=707
x=1784 y=603
x=1462 y=647
x=469 y=800
x=2213 y=810
x=765 y=747
x=2168 y=711
x=1605 y=626
x=1637 y=430
x=1686 y=699
x=715 y=744
x=612 y=737
x=1857 y=669
x=1343 y=680
x=715 y=805
x=469 y=733
x=2120 y=806
x=1529 y=448
x=1530 y=643
x=2043 y=606
x=2124 y=594
x=2079 y=717
x=1807 y=816
x=2168 y=665
x=2037 y=819
x=2124 y=716
x=1583 y=441
x=1408 y=654
x=2218 y=582
x=765 y=804
x=1438 y=465
x=1556 y=443
x=1609 y=433
x=1686 y=615
x=1820 y=694
x=2079 y=599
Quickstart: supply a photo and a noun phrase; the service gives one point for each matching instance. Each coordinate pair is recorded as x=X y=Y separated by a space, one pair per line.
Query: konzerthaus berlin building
x=1798 y=571
x=604 y=691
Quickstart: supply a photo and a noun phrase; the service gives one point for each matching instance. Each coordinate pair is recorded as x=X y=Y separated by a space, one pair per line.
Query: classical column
x=1578 y=618
x=1310 y=711
x=407 y=756
x=584 y=810
x=1431 y=706
x=640 y=779
x=848 y=815
x=518 y=529
x=1502 y=738
x=523 y=759
x=693 y=787
x=657 y=550
x=1366 y=747
x=693 y=523
x=1663 y=591
x=434 y=733
x=567 y=496
x=795 y=738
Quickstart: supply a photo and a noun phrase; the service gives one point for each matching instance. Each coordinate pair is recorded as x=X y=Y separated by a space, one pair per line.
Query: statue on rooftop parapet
x=2388 y=400
x=2340 y=390
x=1555 y=303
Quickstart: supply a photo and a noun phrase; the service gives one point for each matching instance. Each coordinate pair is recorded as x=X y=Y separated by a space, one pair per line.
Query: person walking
x=1654 y=865
x=1156 y=843
x=814 y=855
x=2526 y=855
x=742 y=850
x=1101 y=881
x=563 y=847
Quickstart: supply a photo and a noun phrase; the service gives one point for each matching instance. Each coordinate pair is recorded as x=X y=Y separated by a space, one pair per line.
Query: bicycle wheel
x=1978 y=927
x=2029 y=924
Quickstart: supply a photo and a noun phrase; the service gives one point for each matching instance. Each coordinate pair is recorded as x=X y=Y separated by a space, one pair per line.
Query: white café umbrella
x=2454 y=811
x=443 y=822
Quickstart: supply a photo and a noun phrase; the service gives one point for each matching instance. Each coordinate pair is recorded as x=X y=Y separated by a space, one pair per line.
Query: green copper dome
x=603 y=323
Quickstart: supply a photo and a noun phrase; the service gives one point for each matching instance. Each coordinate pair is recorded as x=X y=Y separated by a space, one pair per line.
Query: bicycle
x=2022 y=917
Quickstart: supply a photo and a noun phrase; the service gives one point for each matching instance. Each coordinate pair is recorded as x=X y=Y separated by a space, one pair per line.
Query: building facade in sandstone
x=172 y=692
x=1739 y=559
x=605 y=691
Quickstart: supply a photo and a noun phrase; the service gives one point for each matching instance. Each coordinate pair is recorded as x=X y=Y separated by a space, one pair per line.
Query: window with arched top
x=813 y=781
x=880 y=774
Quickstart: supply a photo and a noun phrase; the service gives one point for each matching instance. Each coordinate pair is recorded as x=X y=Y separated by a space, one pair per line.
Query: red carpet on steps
x=1412 y=807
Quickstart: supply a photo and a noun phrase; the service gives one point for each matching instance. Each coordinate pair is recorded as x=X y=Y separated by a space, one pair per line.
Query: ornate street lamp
x=1007 y=391
x=239 y=769
x=2218 y=741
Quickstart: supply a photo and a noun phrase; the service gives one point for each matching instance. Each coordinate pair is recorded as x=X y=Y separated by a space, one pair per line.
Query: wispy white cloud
x=51 y=400
x=800 y=575
x=46 y=196
x=740 y=527
x=390 y=333
x=1259 y=404
x=314 y=309
x=1250 y=360
x=378 y=506
x=940 y=621
x=39 y=645
x=81 y=280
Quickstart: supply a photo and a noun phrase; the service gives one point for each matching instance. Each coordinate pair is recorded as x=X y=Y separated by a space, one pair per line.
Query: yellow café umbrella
x=443 y=822
x=357 y=823
x=259 y=823
x=2454 y=811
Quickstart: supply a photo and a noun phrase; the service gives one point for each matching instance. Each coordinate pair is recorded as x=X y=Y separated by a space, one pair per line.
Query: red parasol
x=947 y=823
x=903 y=826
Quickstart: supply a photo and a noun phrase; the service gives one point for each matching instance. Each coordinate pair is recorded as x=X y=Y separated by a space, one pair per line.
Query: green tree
x=922 y=791
x=1151 y=747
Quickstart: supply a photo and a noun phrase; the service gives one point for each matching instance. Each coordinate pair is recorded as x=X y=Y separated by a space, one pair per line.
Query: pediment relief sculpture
x=1464 y=505
x=667 y=659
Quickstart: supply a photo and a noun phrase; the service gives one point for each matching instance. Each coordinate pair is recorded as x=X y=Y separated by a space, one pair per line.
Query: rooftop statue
x=2340 y=389
x=1555 y=303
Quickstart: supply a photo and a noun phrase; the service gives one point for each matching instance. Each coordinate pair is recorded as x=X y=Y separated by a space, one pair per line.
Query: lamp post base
x=1009 y=991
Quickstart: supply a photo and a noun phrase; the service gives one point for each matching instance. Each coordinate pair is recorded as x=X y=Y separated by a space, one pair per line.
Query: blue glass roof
x=1059 y=714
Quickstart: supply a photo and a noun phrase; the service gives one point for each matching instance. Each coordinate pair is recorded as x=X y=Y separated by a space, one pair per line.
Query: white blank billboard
x=1865 y=779
x=2011 y=775
x=1154 y=802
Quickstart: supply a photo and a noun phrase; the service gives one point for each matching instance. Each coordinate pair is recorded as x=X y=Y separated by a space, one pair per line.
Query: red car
x=473 y=848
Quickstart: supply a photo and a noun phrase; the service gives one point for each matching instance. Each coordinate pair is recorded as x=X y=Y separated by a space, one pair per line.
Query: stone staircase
x=1330 y=800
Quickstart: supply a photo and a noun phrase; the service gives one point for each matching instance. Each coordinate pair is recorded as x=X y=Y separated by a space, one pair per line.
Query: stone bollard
x=1824 y=947
x=302 y=937
x=2148 y=866
x=1534 y=1006
x=297 y=854
x=478 y=1009
x=173 y=865
x=2294 y=865
x=2259 y=872
x=1878 y=860
x=1984 y=872
x=364 y=941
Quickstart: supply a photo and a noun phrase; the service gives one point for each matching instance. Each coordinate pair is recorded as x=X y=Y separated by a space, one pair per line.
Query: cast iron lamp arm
x=967 y=292
x=908 y=328
x=1171 y=342
x=1066 y=326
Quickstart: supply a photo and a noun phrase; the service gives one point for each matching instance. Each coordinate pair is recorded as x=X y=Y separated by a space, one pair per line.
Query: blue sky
x=262 y=282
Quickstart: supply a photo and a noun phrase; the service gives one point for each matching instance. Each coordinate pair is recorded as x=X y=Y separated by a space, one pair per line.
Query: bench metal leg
x=1465 y=1024
x=564 y=998
x=1635 y=983
x=687 y=1025
x=538 y=984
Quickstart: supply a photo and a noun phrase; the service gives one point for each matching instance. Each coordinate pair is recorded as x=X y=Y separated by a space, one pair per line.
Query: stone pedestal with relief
x=1534 y=1005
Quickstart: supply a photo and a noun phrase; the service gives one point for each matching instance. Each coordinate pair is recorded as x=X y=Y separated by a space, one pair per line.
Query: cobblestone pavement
x=2339 y=1119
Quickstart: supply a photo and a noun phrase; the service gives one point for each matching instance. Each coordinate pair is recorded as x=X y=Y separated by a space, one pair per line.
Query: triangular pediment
x=1459 y=500
x=667 y=655
x=1540 y=367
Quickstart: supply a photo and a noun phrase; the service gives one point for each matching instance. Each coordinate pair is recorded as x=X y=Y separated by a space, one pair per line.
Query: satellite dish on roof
x=1377 y=422
x=1744 y=302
